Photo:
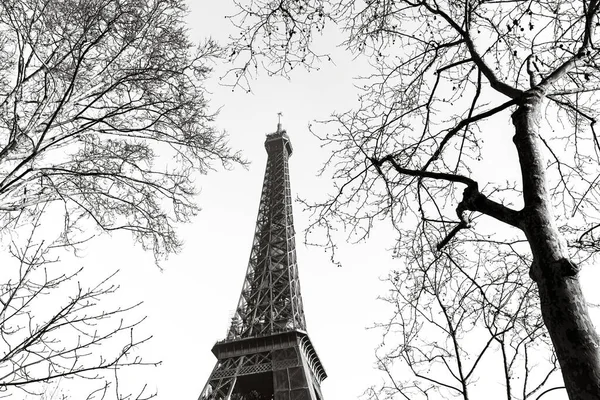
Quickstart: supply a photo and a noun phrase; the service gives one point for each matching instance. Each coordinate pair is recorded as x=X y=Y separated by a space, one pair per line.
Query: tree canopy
x=104 y=125
x=104 y=113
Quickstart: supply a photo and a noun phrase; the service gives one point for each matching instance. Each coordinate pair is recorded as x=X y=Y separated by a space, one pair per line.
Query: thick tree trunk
x=573 y=335
x=564 y=309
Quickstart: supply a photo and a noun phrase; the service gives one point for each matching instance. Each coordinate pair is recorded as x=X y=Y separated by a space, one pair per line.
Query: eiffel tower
x=267 y=354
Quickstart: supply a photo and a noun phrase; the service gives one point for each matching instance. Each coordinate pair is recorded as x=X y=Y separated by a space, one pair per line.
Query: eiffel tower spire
x=267 y=354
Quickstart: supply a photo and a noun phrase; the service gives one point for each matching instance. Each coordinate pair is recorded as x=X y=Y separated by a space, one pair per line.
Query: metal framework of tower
x=267 y=354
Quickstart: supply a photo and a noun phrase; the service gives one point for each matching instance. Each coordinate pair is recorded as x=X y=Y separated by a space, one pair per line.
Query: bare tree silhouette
x=103 y=111
x=52 y=327
x=445 y=76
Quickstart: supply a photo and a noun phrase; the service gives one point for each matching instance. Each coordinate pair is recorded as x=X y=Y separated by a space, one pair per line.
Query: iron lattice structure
x=267 y=354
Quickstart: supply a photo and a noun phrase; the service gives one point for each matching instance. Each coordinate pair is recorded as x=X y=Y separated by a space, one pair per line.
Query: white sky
x=189 y=304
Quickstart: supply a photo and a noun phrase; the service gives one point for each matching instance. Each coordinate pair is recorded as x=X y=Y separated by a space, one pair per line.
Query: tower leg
x=218 y=387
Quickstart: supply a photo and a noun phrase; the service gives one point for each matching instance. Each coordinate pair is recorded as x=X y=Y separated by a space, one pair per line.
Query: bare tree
x=103 y=122
x=54 y=329
x=445 y=76
x=103 y=112
x=463 y=322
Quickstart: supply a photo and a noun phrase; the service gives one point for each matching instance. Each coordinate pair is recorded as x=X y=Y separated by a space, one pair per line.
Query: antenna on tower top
x=279 y=114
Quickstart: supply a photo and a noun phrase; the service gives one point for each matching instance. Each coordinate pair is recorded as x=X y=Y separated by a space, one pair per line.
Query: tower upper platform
x=275 y=141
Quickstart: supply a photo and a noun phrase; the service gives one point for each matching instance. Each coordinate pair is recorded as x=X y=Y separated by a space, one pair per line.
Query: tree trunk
x=563 y=306
x=573 y=335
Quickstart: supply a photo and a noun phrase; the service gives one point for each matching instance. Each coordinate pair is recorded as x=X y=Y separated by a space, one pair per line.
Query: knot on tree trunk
x=558 y=269
x=534 y=272
x=567 y=267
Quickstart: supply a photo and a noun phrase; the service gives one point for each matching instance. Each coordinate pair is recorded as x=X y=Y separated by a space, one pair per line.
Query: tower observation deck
x=267 y=354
